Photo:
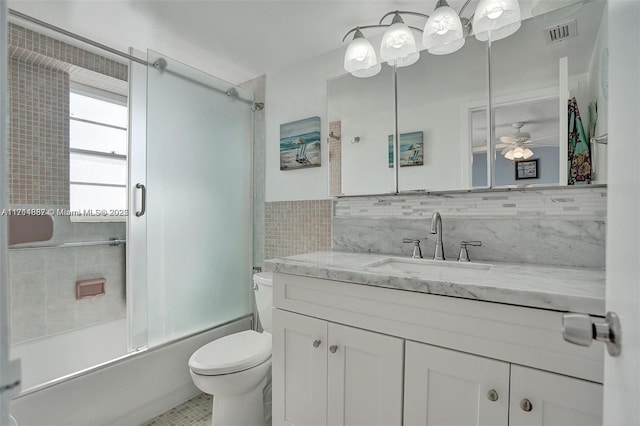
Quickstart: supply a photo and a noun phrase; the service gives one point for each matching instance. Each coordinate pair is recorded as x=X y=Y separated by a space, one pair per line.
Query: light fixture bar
x=361 y=27
x=464 y=6
x=403 y=12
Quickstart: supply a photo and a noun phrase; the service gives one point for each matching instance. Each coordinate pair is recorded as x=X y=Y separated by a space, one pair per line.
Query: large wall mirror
x=442 y=111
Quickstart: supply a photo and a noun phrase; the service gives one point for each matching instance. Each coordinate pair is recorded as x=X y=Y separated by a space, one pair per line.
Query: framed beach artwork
x=411 y=149
x=300 y=144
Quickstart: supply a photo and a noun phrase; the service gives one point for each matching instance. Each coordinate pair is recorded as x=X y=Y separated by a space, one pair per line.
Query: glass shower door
x=198 y=200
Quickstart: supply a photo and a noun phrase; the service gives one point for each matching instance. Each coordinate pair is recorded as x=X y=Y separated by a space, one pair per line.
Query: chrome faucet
x=417 y=253
x=436 y=228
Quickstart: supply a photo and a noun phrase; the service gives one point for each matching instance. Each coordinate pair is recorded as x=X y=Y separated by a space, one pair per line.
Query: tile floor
x=195 y=412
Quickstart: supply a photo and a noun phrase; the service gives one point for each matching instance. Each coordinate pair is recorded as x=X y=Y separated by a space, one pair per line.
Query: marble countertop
x=538 y=286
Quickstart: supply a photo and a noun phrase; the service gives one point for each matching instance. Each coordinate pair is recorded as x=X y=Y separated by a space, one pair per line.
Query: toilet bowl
x=236 y=369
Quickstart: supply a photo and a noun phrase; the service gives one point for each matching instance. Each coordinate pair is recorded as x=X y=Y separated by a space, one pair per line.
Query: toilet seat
x=232 y=353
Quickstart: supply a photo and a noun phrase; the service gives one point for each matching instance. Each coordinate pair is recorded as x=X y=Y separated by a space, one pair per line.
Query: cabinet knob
x=333 y=348
x=492 y=395
x=526 y=405
x=316 y=343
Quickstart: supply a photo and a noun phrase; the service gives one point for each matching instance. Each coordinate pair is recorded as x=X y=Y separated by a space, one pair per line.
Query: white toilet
x=236 y=369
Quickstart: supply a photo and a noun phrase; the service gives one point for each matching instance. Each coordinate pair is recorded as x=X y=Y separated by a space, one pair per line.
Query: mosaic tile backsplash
x=584 y=203
x=563 y=227
x=296 y=227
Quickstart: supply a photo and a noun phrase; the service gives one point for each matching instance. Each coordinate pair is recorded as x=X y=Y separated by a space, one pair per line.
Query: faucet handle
x=464 y=254
x=417 y=253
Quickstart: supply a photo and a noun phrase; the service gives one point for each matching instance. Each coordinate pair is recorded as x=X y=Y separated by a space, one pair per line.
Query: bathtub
x=127 y=391
x=52 y=357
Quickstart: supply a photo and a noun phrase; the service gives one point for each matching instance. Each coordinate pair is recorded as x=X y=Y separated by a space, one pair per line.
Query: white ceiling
x=233 y=39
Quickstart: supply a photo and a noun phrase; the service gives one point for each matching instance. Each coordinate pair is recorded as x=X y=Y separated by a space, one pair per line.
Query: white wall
x=293 y=94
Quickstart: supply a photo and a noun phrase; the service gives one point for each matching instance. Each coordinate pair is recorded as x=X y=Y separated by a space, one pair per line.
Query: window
x=97 y=155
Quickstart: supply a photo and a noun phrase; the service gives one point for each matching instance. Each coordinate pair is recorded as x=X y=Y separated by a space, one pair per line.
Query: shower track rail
x=159 y=64
x=109 y=242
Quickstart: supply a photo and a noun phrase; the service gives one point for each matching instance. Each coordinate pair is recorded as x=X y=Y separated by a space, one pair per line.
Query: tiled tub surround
x=296 y=227
x=546 y=287
x=42 y=281
x=563 y=227
x=39 y=83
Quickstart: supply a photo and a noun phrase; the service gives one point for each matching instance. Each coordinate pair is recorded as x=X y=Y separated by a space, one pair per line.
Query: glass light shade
x=445 y=49
x=492 y=15
x=397 y=42
x=518 y=152
x=527 y=153
x=442 y=27
x=499 y=34
x=360 y=56
x=367 y=72
x=410 y=59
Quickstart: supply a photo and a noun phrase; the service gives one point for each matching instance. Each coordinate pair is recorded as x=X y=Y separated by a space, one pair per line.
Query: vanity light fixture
x=398 y=44
x=444 y=32
x=360 y=58
x=496 y=19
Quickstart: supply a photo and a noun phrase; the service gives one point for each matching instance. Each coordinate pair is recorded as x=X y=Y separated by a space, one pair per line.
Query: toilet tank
x=264 y=297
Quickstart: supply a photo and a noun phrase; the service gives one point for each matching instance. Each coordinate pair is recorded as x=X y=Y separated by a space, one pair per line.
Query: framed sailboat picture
x=300 y=144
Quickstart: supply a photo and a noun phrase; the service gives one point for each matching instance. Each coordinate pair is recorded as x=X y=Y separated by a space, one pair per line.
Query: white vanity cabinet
x=455 y=388
x=543 y=398
x=331 y=374
x=350 y=354
x=445 y=387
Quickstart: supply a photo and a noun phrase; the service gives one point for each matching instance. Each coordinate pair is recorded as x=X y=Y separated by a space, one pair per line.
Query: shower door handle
x=144 y=199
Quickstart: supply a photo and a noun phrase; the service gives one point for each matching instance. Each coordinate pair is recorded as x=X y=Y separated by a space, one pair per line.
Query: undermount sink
x=428 y=267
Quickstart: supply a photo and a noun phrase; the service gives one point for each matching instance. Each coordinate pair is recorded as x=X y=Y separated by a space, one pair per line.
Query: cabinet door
x=554 y=399
x=299 y=369
x=446 y=387
x=365 y=377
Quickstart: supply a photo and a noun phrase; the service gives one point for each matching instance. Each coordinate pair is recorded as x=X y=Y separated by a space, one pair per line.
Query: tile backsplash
x=549 y=226
x=584 y=203
x=296 y=227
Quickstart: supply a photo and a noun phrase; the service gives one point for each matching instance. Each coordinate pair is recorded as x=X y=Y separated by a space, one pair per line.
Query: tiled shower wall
x=549 y=226
x=42 y=281
x=38 y=135
x=296 y=227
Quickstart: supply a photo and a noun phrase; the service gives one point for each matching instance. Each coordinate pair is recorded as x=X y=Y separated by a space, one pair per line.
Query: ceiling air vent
x=560 y=32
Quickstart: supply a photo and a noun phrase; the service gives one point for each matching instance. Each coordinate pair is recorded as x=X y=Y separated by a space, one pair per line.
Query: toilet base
x=234 y=410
